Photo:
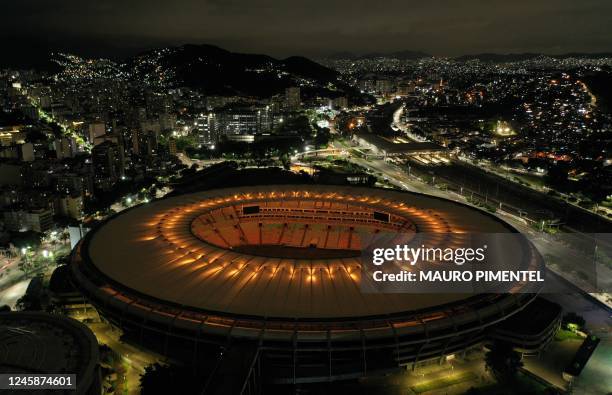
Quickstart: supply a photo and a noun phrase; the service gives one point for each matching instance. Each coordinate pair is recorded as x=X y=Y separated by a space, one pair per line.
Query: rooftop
x=43 y=343
x=236 y=250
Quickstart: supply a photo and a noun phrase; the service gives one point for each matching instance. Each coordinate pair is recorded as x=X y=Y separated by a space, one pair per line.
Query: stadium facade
x=275 y=271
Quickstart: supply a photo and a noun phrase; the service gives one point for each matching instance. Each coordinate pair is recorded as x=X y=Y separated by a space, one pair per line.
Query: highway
x=487 y=183
x=516 y=198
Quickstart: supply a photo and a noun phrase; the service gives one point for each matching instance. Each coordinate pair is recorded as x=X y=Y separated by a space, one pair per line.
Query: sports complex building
x=39 y=343
x=271 y=276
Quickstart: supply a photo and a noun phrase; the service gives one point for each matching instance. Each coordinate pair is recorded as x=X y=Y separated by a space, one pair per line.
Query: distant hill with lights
x=519 y=57
x=483 y=57
x=206 y=68
x=214 y=70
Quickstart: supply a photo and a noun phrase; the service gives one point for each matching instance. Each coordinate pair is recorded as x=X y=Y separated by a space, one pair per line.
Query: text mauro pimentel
x=436 y=271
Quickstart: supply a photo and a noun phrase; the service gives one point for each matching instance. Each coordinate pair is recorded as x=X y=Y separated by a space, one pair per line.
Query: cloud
x=282 y=27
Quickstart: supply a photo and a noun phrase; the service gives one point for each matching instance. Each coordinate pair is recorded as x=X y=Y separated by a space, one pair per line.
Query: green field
x=563 y=334
x=444 y=382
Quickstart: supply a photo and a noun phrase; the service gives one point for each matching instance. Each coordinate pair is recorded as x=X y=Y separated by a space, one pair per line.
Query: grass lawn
x=444 y=382
x=564 y=334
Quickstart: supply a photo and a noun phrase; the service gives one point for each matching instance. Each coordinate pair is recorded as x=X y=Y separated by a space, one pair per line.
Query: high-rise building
x=45 y=101
x=167 y=121
x=96 y=129
x=405 y=88
x=237 y=122
x=26 y=153
x=72 y=182
x=340 y=103
x=145 y=143
x=38 y=220
x=151 y=125
x=108 y=164
x=292 y=98
x=29 y=111
x=172 y=146
x=23 y=152
x=64 y=147
x=10 y=135
x=205 y=129
x=367 y=85
x=70 y=206
x=384 y=86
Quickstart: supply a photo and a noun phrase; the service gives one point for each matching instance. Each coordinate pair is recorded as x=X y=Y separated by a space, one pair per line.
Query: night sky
x=280 y=28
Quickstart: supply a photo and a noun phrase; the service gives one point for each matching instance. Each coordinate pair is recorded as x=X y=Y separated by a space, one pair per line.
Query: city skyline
x=253 y=197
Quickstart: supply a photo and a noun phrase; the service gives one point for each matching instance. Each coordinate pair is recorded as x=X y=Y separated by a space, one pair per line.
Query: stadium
x=271 y=275
x=35 y=342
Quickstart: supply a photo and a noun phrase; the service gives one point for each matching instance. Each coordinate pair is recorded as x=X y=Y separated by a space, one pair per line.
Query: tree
x=322 y=138
x=558 y=175
x=572 y=320
x=26 y=239
x=503 y=361
x=107 y=355
x=35 y=136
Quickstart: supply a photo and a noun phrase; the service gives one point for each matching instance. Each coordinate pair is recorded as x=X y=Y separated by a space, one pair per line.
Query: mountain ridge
x=484 y=56
x=215 y=70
